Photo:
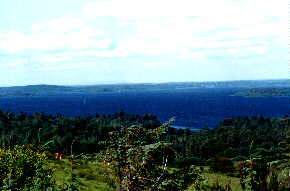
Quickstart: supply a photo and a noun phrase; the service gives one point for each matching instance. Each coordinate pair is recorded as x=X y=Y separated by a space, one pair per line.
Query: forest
x=252 y=88
x=124 y=151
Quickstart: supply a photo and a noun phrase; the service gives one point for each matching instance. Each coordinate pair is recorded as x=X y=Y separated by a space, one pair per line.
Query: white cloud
x=159 y=27
x=119 y=53
x=51 y=58
x=13 y=63
x=153 y=34
x=14 y=41
x=138 y=9
x=64 y=24
x=216 y=12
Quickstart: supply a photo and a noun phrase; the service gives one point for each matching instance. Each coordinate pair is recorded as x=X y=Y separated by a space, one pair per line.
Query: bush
x=221 y=164
x=139 y=160
x=24 y=168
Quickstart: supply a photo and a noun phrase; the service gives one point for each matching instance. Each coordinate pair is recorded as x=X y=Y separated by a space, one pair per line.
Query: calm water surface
x=193 y=108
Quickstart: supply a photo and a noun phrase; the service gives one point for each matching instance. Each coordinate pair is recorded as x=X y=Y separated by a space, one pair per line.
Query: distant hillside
x=36 y=90
x=264 y=92
x=50 y=90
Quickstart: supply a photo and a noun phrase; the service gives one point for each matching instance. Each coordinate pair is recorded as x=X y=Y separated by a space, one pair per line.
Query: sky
x=79 y=42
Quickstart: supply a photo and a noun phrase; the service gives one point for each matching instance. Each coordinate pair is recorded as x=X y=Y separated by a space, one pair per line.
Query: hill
x=51 y=90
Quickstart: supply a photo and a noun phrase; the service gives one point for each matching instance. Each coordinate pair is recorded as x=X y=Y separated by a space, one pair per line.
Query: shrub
x=139 y=160
x=221 y=164
x=24 y=168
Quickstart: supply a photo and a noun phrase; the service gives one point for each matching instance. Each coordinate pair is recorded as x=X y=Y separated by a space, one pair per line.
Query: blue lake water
x=193 y=108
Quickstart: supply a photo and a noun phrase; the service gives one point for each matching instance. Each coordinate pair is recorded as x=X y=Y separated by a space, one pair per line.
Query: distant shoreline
x=52 y=90
x=265 y=92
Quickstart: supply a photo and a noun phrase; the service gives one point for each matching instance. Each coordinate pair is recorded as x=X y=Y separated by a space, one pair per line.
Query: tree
x=139 y=160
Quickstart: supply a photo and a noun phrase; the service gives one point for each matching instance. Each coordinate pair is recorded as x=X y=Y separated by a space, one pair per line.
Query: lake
x=193 y=108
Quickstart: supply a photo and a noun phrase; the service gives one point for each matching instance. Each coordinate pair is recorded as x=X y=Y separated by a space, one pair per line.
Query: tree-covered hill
x=50 y=90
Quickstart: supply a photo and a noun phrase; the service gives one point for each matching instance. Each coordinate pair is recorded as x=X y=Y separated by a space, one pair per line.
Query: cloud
x=214 y=13
x=13 y=41
x=46 y=58
x=11 y=63
x=138 y=9
x=155 y=27
x=64 y=24
x=131 y=36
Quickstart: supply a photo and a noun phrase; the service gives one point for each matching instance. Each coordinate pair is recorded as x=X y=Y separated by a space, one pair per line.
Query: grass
x=91 y=174
x=222 y=179
x=213 y=179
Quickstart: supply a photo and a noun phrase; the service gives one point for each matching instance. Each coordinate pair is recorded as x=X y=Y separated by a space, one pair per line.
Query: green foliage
x=221 y=164
x=140 y=155
x=269 y=138
x=254 y=175
x=23 y=168
x=58 y=132
x=220 y=182
x=139 y=159
x=219 y=187
x=92 y=175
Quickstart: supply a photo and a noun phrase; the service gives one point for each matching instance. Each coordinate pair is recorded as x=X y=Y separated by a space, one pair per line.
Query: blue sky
x=113 y=41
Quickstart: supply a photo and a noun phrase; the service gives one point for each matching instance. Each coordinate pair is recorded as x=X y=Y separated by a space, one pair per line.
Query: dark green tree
x=139 y=159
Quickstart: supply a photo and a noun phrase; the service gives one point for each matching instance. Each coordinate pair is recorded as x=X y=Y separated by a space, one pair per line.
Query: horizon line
x=136 y=83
